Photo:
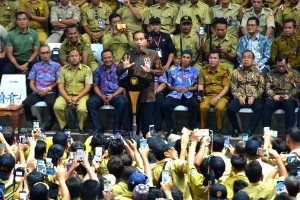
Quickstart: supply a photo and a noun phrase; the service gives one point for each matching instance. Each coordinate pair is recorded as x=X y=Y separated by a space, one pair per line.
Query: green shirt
x=167 y=15
x=89 y=18
x=233 y=14
x=22 y=43
x=199 y=14
x=83 y=46
x=229 y=43
x=75 y=81
x=118 y=44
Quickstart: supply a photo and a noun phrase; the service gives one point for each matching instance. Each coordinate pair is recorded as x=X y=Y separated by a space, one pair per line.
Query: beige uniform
x=199 y=14
x=285 y=11
x=95 y=19
x=8 y=15
x=167 y=16
x=191 y=42
x=129 y=19
x=60 y=12
x=232 y=14
x=266 y=19
x=40 y=9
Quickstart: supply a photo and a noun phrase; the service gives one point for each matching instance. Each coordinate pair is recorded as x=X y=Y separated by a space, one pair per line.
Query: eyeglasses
x=45 y=53
x=96 y=14
x=251 y=25
x=247 y=57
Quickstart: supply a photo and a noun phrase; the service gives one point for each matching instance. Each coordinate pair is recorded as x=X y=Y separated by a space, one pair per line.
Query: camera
x=121 y=26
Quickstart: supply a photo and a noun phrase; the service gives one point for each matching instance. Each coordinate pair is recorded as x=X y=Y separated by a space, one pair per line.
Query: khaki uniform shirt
x=90 y=19
x=282 y=84
x=247 y=83
x=285 y=11
x=178 y=170
x=190 y=41
x=75 y=81
x=8 y=15
x=199 y=14
x=233 y=14
x=118 y=44
x=195 y=180
x=230 y=181
x=119 y=188
x=229 y=43
x=266 y=189
x=214 y=82
x=129 y=19
x=83 y=46
x=290 y=48
x=167 y=15
x=39 y=8
x=58 y=11
x=266 y=19
x=113 y=4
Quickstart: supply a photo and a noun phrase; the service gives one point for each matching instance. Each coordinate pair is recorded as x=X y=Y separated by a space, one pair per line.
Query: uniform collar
x=99 y=6
x=69 y=5
x=37 y=1
x=229 y=7
x=79 y=41
x=209 y=69
x=70 y=68
x=215 y=37
x=168 y=5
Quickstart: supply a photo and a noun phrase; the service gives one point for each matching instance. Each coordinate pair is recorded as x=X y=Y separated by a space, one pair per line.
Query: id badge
x=258 y=55
x=159 y=52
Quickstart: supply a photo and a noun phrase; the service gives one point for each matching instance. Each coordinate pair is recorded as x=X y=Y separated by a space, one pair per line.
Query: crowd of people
x=223 y=55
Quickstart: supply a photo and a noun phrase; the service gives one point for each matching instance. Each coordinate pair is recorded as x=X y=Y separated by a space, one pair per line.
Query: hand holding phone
x=226 y=142
x=165 y=176
x=98 y=154
x=79 y=154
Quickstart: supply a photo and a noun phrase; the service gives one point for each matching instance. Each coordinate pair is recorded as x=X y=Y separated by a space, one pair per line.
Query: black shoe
x=249 y=133
x=49 y=126
x=235 y=133
x=82 y=131
x=96 y=132
x=217 y=130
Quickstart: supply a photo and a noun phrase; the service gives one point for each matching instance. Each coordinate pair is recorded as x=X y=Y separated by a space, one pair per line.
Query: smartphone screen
x=107 y=185
x=280 y=186
x=118 y=135
x=165 y=176
x=68 y=134
x=50 y=171
x=71 y=155
x=260 y=151
x=22 y=195
x=143 y=143
x=291 y=159
x=298 y=172
x=69 y=166
x=98 y=153
x=151 y=129
x=35 y=125
x=226 y=142
x=245 y=137
x=80 y=154
x=1 y=127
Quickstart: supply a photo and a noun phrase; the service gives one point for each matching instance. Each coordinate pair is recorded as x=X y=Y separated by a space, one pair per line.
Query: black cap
x=159 y=145
x=218 y=192
x=153 y=20
x=186 y=19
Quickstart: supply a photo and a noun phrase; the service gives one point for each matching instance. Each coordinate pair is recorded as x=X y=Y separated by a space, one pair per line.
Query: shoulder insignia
x=281 y=7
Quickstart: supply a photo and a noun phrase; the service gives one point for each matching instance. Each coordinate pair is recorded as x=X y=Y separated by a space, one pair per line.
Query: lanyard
x=157 y=43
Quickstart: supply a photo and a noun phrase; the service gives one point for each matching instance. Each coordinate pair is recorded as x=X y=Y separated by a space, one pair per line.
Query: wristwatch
x=218 y=97
x=59 y=19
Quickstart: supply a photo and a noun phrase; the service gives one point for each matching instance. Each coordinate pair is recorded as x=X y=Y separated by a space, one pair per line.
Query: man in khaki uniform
x=38 y=13
x=132 y=15
x=94 y=19
x=74 y=84
x=79 y=43
x=225 y=43
x=290 y=10
x=62 y=15
x=117 y=40
x=265 y=16
x=198 y=11
x=214 y=82
x=287 y=44
x=166 y=12
x=187 y=39
x=231 y=12
x=81 y=3
x=113 y=4
x=8 y=12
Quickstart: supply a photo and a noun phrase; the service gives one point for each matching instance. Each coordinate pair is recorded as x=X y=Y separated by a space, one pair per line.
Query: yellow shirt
x=119 y=188
x=261 y=190
x=195 y=180
x=229 y=182
x=177 y=169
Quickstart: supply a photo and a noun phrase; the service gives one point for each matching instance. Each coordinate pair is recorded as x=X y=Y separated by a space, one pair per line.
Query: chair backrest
x=15 y=83
x=97 y=50
x=55 y=48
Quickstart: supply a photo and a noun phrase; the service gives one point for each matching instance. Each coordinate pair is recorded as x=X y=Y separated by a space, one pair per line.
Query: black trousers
x=34 y=98
x=234 y=107
x=288 y=107
x=169 y=105
x=158 y=111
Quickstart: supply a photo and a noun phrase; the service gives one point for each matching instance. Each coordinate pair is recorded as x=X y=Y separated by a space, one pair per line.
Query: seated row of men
x=212 y=84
